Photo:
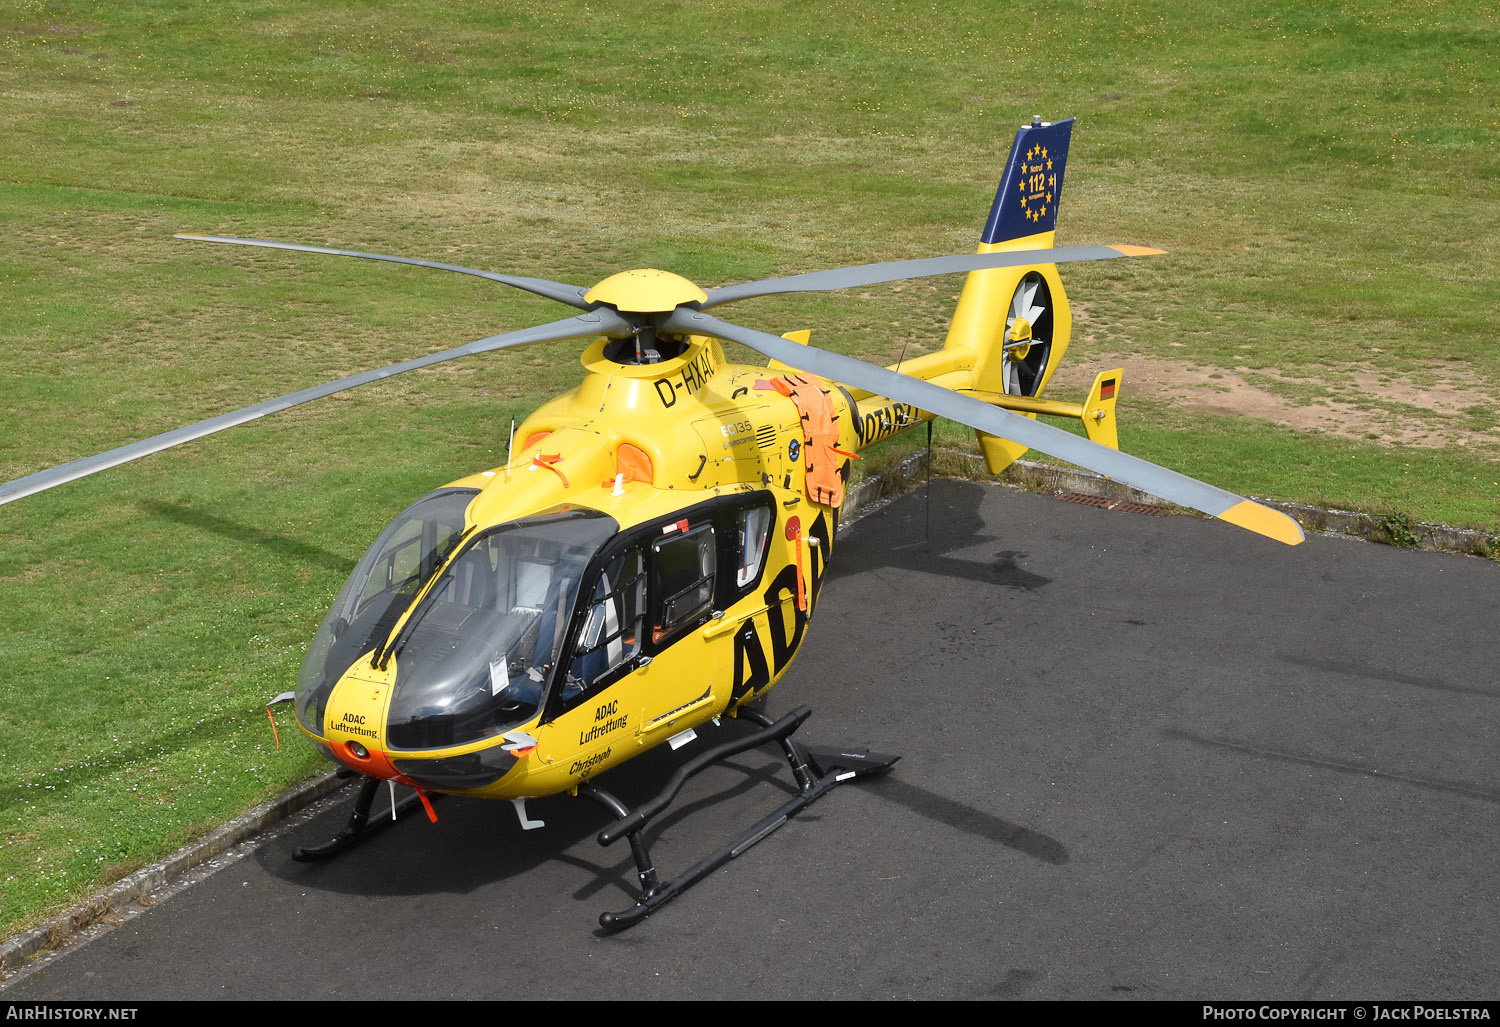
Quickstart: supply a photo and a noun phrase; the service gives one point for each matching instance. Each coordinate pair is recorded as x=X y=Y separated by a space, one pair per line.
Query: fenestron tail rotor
x=1133 y=471
x=1028 y=336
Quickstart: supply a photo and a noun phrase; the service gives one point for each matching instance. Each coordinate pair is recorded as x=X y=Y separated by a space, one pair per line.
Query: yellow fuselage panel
x=703 y=423
x=357 y=707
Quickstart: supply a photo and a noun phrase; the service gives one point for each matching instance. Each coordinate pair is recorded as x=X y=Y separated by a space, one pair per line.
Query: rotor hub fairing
x=645 y=291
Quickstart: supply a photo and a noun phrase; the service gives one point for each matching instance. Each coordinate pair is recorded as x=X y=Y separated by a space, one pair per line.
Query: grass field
x=1324 y=329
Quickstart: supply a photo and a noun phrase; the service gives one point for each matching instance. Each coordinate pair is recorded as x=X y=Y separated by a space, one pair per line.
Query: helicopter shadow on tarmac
x=906 y=542
x=904 y=539
x=476 y=843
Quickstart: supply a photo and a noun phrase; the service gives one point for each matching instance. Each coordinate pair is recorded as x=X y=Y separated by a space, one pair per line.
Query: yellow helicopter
x=649 y=557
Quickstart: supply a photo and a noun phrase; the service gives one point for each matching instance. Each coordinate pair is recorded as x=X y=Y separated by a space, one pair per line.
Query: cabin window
x=684 y=570
x=613 y=626
x=754 y=524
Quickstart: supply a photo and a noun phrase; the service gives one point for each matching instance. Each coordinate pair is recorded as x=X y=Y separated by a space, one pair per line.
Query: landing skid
x=361 y=825
x=816 y=770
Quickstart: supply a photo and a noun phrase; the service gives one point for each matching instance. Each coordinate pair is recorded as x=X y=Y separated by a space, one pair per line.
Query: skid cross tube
x=816 y=771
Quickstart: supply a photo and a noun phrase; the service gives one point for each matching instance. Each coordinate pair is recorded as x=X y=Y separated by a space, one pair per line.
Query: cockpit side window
x=409 y=551
x=379 y=590
x=399 y=569
x=613 y=627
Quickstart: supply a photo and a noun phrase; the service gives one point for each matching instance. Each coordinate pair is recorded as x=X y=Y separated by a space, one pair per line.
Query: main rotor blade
x=924 y=267
x=599 y=322
x=572 y=295
x=1133 y=471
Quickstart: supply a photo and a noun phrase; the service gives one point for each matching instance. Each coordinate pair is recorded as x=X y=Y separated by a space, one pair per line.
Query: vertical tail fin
x=1015 y=321
x=1026 y=202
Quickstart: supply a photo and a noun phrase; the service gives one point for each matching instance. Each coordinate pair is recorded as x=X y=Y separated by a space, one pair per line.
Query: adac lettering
x=605 y=721
x=752 y=671
x=748 y=655
x=781 y=598
x=354 y=724
x=888 y=420
x=693 y=376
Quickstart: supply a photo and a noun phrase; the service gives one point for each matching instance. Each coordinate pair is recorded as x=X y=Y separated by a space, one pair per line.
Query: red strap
x=794 y=532
x=547 y=461
x=427 y=805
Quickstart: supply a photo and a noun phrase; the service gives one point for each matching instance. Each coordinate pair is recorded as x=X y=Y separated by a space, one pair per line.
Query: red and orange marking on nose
x=374 y=763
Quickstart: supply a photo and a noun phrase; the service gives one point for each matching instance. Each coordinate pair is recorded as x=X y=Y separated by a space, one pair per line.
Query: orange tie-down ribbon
x=548 y=461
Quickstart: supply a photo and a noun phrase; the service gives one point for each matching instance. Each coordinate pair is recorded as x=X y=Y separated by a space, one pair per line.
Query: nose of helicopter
x=376 y=764
x=370 y=762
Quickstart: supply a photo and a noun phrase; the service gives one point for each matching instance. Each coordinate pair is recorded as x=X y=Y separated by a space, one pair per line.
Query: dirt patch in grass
x=1349 y=401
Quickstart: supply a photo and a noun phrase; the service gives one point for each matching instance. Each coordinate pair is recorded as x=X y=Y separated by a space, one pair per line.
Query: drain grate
x=1103 y=503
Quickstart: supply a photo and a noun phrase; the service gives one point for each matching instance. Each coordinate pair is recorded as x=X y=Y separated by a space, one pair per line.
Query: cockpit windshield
x=384 y=582
x=475 y=657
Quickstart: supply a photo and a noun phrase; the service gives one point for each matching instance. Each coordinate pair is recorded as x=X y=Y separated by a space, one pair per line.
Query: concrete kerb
x=863 y=498
x=138 y=889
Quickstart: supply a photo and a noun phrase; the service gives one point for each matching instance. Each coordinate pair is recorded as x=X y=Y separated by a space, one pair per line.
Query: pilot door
x=599 y=695
x=649 y=656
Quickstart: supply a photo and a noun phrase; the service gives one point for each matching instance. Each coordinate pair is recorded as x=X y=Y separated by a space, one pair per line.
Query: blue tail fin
x=1026 y=203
